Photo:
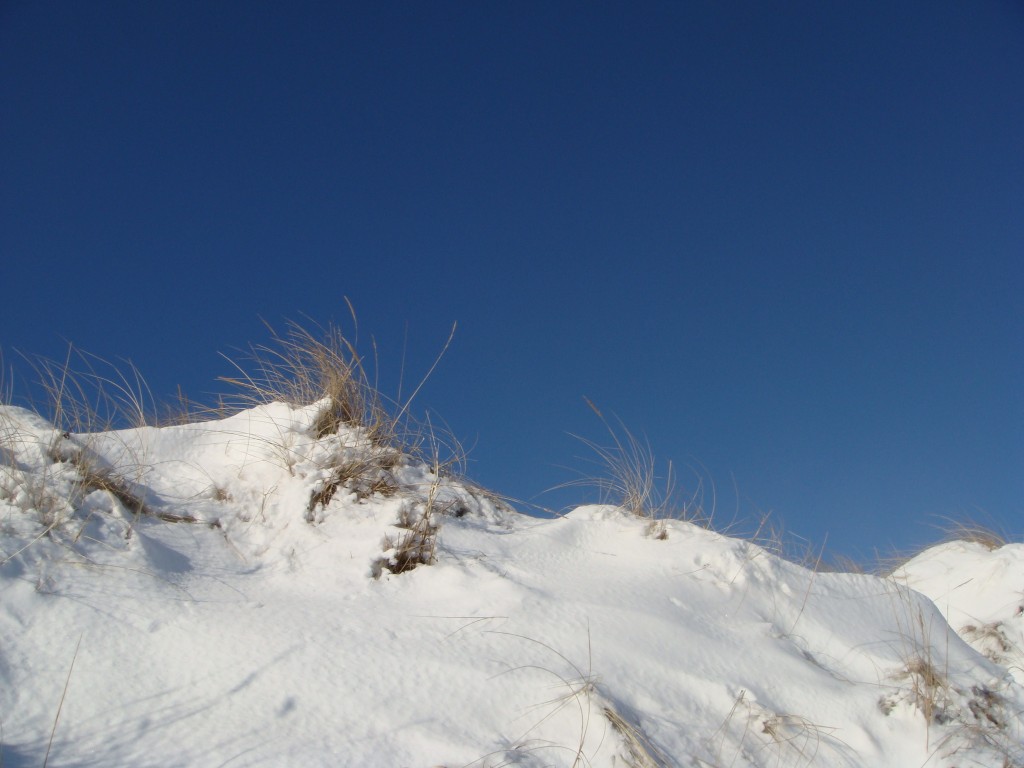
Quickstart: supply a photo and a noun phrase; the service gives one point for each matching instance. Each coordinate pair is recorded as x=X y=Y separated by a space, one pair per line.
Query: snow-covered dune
x=245 y=592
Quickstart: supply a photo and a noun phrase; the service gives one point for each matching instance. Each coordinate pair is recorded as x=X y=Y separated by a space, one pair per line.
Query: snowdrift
x=253 y=592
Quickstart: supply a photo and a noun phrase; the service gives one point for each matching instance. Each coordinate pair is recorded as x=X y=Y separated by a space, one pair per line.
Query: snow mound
x=980 y=591
x=249 y=592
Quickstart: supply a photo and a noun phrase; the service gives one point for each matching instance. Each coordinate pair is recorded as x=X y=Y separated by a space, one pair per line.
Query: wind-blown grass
x=628 y=478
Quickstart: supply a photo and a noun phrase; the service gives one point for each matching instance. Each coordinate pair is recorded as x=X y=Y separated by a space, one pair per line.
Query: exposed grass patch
x=629 y=479
x=990 y=639
x=304 y=366
x=83 y=396
x=639 y=751
x=929 y=686
x=301 y=367
x=923 y=677
x=970 y=530
x=418 y=522
x=364 y=477
x=415 y=545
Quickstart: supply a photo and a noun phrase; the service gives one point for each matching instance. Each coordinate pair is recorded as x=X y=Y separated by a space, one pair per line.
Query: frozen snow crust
x=244 y=592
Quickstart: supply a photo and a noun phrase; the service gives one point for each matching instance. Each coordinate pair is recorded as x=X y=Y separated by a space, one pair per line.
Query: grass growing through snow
x=303 y=367
x=370 y=445
x=629 y=479
x=50 y=466
x=85 y=399
x=967 y=529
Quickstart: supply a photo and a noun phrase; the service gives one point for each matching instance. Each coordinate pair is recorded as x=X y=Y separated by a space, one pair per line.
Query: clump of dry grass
x=796 y=738
x=951 y=530
x=927 y=685
x=970 y=530
x=630 y=480
x=369 y=440
x=302 y=367
x=970 y=717
x=320 y=364
x=418 y=521
x=415 y=545
x=990 y=639
x=109 y=482
x=639 y=751
x=85 y=393
x=973 y=719
x=365 y=477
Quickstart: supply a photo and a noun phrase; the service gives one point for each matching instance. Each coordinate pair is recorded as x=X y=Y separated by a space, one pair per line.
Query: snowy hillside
x=259 y=591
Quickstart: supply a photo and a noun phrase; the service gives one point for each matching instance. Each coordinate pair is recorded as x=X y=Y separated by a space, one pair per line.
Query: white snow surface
x=222 y=619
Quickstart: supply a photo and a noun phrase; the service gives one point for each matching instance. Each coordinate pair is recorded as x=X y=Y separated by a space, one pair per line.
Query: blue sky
x=781 y=240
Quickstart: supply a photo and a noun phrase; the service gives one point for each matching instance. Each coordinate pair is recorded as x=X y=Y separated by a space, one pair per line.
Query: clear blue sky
x=785 y=240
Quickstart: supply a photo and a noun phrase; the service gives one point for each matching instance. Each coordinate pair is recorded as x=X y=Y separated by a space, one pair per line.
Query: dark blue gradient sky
x=784 y=240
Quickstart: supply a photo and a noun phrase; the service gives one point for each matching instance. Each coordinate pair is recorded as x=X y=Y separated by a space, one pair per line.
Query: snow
x=236 y=599
x=981 y=594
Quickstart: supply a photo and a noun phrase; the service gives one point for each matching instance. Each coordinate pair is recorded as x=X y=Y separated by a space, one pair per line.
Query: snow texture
x=244 y=592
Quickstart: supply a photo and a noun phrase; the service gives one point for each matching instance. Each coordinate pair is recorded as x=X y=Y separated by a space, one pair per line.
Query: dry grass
x=415 y=545
x=577 y=690
x=49 y=472
x=83 y=395
x=990 y=639
x=845 y=564
x=951 y=530
x=924 y=672
x=630 y=480
x=750 y=727
x=972 y=718
x=302 y=367
x=320 y=364
x=364 y=477
x=60 y=706
x=419 y=521
x=796 y=739
x=929 y=686
x=85 y=399
x=118 y=487
x=970 y=530
x=640 y=752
